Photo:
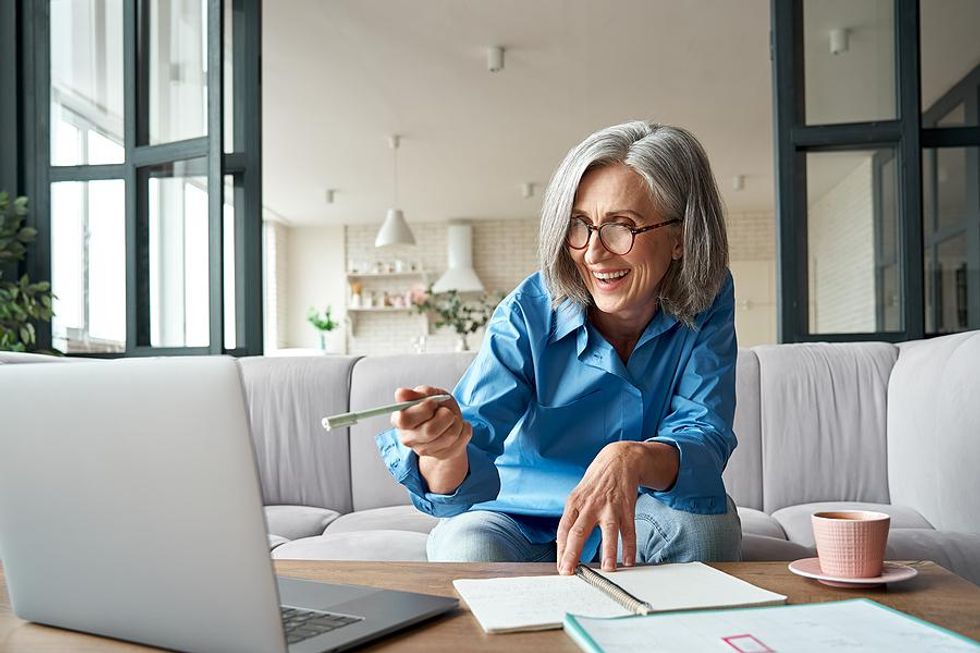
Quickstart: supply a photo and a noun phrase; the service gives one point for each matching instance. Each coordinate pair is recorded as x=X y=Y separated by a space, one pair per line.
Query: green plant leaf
x=27 y=234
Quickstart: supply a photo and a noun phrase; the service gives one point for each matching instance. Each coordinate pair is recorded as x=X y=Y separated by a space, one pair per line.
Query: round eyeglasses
x=617 y=238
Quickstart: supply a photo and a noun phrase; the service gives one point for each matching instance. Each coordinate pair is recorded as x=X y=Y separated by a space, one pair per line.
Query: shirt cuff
x=482 y=481
x=698 y=487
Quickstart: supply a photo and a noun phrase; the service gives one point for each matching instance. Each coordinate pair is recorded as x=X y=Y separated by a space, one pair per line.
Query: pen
x=349 y=419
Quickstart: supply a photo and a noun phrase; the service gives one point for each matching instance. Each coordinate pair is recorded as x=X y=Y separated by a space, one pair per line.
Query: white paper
x=855 y=625
x=532 y=602
x=540 y=602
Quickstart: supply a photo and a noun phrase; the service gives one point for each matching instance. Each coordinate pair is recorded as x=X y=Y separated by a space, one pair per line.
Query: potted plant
x=464 y=316
x=323 y=323
x=22 y=303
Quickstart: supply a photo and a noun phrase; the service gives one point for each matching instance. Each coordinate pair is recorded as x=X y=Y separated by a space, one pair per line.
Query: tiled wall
x=505 y=252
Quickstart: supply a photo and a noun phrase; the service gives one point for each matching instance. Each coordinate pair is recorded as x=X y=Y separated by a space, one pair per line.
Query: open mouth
x=609 y=280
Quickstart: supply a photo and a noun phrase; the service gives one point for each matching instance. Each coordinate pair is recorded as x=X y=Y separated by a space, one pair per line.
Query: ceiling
x=340 y=76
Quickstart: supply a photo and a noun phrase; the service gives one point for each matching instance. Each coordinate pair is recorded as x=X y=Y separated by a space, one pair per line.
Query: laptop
x=130 y=508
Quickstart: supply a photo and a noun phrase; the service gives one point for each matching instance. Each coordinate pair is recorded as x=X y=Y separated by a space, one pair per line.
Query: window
x=150 y=186
x=877 y=168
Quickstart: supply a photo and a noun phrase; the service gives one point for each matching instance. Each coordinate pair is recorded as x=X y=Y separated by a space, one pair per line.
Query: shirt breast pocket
x=572 y=432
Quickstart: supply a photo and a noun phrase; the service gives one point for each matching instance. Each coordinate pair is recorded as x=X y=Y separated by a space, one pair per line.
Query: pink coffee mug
x=851 y=543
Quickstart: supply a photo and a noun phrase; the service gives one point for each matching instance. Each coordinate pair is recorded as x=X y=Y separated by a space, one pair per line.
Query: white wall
x=314 y=277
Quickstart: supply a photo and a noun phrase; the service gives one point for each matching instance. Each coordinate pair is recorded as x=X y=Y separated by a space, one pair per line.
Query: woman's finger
x=578 y=533
x=610 y=543
x=568 y=517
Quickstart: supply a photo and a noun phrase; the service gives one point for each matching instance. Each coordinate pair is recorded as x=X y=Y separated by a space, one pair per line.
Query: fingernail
x=628 y=562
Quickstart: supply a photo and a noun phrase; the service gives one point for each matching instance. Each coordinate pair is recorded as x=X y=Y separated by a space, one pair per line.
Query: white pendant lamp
x=394 y=230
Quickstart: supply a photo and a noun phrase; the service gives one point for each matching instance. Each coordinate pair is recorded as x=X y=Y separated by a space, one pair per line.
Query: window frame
x=35 y=174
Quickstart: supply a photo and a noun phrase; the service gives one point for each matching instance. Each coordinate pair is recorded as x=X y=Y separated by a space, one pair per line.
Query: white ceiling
x=340 y=76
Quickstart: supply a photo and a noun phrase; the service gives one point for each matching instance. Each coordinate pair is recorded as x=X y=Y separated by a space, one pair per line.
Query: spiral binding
x=613 y=591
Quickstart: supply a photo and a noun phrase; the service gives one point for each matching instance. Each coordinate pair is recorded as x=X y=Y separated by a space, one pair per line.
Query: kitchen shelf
x=353 y=313
x=386 y=275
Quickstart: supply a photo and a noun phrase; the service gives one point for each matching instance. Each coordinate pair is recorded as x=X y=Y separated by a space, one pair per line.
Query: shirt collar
x=569 y=316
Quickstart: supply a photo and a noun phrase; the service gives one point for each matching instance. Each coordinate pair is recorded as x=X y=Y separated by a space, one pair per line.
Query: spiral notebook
x=504 y=605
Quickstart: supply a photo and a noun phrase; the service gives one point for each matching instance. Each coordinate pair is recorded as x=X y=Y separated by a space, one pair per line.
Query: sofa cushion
x=759 y=523
x=373 y=383
x=795 y=520
x=743 y=474
x=958 y=552
x=400 y=518
x=933 y=428
x=299 y=462
x=276 y=540
x=759 y=548
x=294 y=522
x=362 y=545
x=823 y=422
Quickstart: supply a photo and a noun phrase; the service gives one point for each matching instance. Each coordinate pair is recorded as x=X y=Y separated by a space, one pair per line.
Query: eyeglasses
x=617 y=238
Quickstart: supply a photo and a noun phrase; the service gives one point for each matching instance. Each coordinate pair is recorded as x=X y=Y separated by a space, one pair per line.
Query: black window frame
x=794 y=139
x=28 y=169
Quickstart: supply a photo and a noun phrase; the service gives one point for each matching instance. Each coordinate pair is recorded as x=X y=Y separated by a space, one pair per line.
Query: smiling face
x=623 y=287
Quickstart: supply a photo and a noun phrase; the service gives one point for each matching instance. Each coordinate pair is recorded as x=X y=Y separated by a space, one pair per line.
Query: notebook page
x=532 y=602
x=690 y=585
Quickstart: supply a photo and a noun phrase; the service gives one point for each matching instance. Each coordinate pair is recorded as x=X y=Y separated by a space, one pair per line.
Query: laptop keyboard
x=303 y=624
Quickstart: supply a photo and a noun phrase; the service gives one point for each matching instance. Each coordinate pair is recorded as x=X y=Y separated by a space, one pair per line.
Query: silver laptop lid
x=130 y=503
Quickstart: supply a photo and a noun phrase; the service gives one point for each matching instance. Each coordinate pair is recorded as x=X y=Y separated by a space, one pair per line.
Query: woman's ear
x=677 y=253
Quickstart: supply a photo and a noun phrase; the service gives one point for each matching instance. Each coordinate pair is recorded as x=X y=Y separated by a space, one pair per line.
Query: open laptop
x=130 y=508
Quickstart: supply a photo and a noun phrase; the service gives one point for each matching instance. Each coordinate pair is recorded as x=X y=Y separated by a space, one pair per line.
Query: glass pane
x=177 y=70
x=86 y=82
x=229 y=80
x=228 y=258
x=951 y=238
x=849 y=60
x=949 y=56
x=853 y=264
x=177 y=221
x=88 y=266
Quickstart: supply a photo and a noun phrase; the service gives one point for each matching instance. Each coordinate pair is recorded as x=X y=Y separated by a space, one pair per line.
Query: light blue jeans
x=662 y=535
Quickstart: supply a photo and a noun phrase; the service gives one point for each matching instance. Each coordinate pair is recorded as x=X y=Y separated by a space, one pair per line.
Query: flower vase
x=323 y=341
x=461 y=343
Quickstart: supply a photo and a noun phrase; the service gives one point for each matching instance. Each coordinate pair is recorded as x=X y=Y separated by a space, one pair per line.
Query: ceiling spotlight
x=328 y=195
x=838 y=40
x=495 y=59
x=527 y=189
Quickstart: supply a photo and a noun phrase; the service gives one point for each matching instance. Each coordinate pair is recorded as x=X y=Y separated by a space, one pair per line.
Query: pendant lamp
x=394 y=230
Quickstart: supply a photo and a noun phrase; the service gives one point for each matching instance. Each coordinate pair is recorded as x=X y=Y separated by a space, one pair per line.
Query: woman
x=596 y=420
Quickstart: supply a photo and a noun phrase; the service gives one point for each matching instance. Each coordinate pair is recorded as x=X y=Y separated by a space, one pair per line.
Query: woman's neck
x=622 y=330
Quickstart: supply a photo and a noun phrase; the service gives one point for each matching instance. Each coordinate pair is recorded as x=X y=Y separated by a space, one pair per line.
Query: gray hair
x=676 y=170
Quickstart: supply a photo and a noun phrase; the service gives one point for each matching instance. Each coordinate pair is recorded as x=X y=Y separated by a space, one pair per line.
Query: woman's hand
x=606 y=496
x=437 y=432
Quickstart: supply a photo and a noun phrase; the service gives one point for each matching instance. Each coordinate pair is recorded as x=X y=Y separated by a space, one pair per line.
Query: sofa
x=869 y=425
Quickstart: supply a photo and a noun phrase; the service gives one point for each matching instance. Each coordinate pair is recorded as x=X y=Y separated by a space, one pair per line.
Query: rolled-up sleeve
x=702 y=410
x=493 y=395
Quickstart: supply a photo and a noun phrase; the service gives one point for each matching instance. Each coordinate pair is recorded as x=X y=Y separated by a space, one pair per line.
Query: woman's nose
x=595 y=251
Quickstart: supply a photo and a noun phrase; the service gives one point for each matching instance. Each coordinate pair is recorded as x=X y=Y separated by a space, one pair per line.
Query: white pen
x=349 y=419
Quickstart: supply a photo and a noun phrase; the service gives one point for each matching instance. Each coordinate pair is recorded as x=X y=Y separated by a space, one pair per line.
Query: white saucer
x=891 y=572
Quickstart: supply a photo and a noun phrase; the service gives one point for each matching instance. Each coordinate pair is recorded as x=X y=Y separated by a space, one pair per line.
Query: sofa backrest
x=373 y=383
x=824 y=412
x=299 y=462
x=934 y=430
x=743 y=475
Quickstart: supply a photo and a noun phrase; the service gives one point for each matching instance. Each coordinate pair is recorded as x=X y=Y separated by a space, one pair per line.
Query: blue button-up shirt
x=547 y=392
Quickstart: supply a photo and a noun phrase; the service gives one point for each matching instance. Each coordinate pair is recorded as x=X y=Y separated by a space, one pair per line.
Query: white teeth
x=606 y=276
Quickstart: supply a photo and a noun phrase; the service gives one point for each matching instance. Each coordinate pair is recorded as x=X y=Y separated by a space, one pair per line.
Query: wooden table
x=935 y=595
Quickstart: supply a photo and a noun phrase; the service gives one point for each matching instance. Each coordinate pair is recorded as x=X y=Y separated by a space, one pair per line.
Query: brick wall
x=840 y=227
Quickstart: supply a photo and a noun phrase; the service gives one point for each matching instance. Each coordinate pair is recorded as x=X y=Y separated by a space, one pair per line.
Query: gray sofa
x=856 y=425
x=859 y=425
